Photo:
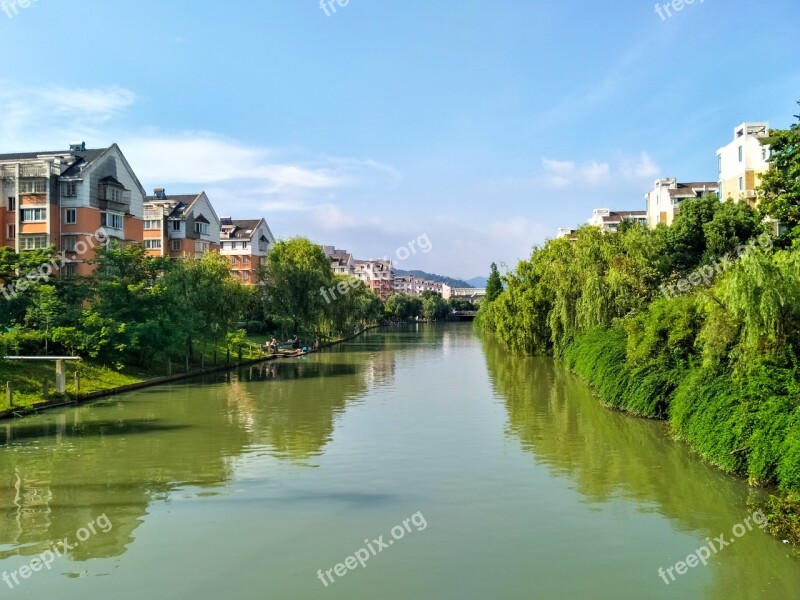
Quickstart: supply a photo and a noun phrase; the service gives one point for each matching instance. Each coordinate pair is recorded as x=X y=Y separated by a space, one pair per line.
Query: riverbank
x=746 y=424
x=99 y=381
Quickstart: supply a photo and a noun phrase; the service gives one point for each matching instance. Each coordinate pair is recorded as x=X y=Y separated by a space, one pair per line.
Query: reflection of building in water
x=380 y=369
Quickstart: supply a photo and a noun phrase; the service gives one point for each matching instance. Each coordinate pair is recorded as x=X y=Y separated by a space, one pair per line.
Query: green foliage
x=434 y=308
x=779 y=192
x=494 y=285
x=294 y=276
x=720 y=361
x=403 y=307
x=783 y=517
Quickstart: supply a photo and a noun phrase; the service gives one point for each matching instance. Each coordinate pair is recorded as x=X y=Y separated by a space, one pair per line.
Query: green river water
x=513 y=482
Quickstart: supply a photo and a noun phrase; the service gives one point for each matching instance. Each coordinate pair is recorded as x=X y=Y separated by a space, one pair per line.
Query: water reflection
x=610 y=455
x=63 y=469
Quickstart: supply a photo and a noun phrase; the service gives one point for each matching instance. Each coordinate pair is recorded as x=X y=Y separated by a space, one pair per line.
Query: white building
x=246 y=244
x=663 y=203
x=609 y=220
x=742 y=162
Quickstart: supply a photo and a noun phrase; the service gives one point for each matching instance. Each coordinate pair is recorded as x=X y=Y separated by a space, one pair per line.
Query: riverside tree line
x=138 y=310
x=720 y=359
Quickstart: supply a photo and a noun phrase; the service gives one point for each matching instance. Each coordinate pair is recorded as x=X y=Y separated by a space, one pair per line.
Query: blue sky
x=483 y=125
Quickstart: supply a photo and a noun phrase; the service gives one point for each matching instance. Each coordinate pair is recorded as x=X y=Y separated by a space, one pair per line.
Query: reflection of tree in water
x=61 y=471
x=608 y=454
x=299 y=401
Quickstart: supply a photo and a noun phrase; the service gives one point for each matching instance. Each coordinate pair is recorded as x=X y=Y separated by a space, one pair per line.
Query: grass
x=27 y=378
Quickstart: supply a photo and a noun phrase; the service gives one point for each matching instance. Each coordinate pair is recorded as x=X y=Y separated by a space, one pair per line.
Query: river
x=444 y=467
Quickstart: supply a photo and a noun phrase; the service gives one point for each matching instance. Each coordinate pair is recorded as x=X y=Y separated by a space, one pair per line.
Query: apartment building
x=609 y=220
x=180 y=226
x=341 y=260
x=663 y=203
x=377 y=274
x=61 y=198
x=414 y=286
x=246 y=244
x=742 y=162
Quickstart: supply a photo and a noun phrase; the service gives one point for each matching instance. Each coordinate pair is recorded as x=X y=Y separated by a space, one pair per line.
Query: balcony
x=114 y=199
x=8 y=173
x=34 y=170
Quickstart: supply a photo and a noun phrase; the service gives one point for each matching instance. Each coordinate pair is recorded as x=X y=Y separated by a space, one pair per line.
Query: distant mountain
x=456 y=283
x=478 y=282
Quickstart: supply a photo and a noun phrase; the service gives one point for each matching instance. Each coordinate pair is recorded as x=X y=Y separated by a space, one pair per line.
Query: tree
x=403 y=306
x=295 y=275
x=779 y=192
x=686 y=237
x=494 y=285
x=45 y=308
x=434 y=307
x=734 y=223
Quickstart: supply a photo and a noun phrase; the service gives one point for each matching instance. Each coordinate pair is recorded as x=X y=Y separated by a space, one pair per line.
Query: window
x=114 y=194
x=111 y=220
x=69 y=270
x=741 y=153
x=719 y=163
x=69 y=189
x=152 y=244
x=68 y=243
x=245 y=260
x=33 y=186
x=12 y=232
x=234 y=245
x=176 y=226
x=741 y=184
x=152 y=225
x=201 y=228
x=12 y=204
x=33 y=215
x=201 y=247
x=175 y=245
x=70 y=216
x=32 y=242
x=245 y=245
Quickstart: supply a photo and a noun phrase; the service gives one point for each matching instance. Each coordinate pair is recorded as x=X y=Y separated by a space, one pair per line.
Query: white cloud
x=640 y=168
x=564 y=173
x=560 y=174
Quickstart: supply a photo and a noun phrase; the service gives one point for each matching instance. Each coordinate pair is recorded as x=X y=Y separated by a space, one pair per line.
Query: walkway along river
x=248 y=485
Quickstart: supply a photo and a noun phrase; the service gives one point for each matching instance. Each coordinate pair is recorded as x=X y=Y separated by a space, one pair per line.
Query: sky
x=482 y=127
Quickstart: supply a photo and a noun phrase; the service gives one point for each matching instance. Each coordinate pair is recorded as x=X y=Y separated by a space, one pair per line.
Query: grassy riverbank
x=746 y=423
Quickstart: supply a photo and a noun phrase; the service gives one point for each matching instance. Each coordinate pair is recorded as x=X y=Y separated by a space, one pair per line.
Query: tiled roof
x=238 y=230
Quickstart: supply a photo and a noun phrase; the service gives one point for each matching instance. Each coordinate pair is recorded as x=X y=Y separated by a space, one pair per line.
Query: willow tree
x=296 y=276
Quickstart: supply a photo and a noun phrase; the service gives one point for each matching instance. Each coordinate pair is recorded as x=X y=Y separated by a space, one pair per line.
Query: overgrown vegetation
x=718 y=358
